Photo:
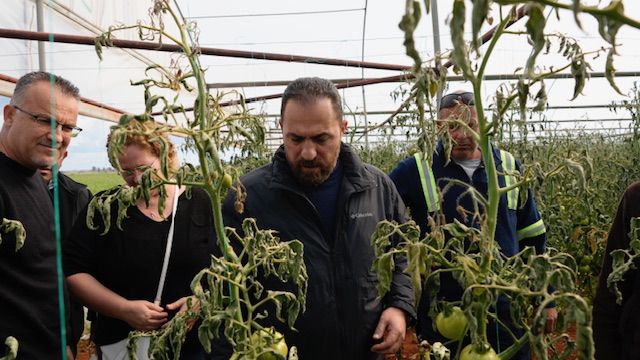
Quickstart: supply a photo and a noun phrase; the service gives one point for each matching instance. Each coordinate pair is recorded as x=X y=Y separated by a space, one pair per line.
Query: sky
x=340 y=29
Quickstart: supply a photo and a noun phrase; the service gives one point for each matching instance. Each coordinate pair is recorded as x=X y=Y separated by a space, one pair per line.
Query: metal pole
x=146 y=45
x=41 y=50
x=435 y=22
x=364 y=98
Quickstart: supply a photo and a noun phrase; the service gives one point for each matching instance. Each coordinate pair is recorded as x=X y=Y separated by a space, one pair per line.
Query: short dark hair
x=25 y=82
x=308 y=89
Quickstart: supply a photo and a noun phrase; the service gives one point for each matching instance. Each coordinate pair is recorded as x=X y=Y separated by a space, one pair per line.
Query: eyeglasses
x=45 y=122
x=451 y=100
x=139 y=169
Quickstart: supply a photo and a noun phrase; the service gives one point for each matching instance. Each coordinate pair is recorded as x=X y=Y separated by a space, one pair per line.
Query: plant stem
x=214 y=190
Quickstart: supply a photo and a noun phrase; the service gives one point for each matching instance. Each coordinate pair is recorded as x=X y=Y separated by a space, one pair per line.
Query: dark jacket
x=343 y=306
x=616 y=328
x=72 y=198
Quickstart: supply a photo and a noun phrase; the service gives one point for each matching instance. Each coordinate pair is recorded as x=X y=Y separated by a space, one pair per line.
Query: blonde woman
x=117 y=274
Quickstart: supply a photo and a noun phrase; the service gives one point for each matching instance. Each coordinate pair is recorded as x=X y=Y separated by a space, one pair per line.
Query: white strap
x=167 y=252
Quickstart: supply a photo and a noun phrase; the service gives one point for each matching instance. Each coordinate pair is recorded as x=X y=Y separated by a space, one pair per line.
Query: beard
x=311 y=173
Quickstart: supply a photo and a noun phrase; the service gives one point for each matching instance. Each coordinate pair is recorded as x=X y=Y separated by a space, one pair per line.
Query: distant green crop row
x=96 y=181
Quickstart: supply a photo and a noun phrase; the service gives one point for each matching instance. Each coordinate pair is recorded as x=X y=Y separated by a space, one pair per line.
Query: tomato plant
x=224 y=292
x=451 y=323
x=467 y=251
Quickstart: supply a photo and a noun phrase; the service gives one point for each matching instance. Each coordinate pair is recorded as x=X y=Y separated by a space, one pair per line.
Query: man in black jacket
x=72 y=198
x=318 y=191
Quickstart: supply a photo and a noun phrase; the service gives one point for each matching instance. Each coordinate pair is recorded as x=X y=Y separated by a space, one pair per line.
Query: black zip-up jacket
x=616 y=328
x=343 y=306
x=73 y=197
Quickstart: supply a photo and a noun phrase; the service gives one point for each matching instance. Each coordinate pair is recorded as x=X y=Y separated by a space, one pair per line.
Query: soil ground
x=409 y=348
x=86 y=348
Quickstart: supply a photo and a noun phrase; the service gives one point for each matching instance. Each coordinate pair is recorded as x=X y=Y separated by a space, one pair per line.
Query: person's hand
x=391 y=329
x=552 y=317
x=181 y=306
x=143 y=315
x=69 y=353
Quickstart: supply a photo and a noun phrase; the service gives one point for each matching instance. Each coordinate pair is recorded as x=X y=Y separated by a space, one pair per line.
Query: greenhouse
x=189 y=100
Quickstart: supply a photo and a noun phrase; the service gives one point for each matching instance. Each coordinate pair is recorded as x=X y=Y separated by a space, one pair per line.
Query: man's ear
x=344 y=126
x=9 y=113
x=280 y=122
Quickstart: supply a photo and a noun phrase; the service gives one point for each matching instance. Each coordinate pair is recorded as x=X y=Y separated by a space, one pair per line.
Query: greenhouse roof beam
x=146 y=45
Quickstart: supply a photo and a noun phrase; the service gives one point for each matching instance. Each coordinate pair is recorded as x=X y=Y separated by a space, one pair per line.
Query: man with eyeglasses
x=38 y=125
x=440 y=189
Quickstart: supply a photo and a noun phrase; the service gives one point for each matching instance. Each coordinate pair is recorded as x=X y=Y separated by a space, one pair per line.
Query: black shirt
x=29 y=306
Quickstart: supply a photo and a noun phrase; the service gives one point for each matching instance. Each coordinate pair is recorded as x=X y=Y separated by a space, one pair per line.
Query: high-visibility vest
x=430 y=188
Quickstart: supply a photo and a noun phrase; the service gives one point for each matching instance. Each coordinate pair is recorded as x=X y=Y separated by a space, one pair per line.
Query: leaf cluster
x=527 y=280
x=12 y=348
x=261 y=255
x=217 y=304
x=625 y=260
x=14 y=226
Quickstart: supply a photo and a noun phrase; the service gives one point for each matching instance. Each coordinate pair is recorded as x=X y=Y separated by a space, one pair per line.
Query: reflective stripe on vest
x=430 y=189
x=509 y=167
x=532 y=230
x=428 y=183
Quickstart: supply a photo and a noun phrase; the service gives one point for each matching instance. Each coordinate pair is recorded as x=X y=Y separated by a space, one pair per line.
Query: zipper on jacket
x=339 y=310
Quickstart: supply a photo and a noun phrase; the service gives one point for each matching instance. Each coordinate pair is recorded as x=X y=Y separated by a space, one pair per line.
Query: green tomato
x=586 y=260
x=468 y=353
x=584 y=268
x=278 y=345
x=226 y=181
x=452 y=326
